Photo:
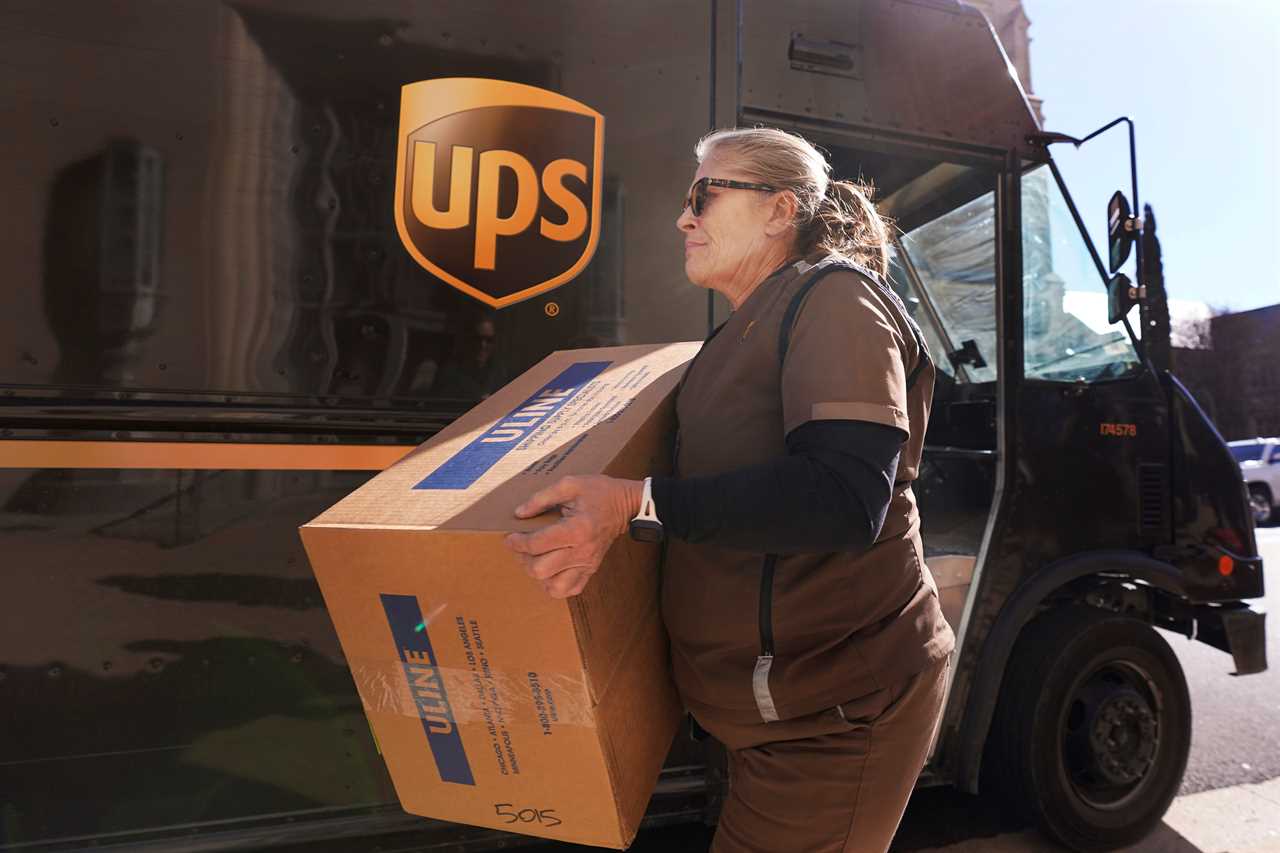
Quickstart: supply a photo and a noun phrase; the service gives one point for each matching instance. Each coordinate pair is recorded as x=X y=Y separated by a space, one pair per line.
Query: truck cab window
x=1066 y=337
x=953 y=259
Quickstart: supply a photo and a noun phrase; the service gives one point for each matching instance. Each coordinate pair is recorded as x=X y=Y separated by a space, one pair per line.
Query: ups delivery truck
x=227 y=301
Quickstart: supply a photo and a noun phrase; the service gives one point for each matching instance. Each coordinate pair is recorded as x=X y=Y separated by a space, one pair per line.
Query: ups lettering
x=499 y=185
x=490 y=221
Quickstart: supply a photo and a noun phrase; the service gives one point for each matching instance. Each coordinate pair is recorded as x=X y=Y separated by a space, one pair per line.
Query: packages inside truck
x=216 y=328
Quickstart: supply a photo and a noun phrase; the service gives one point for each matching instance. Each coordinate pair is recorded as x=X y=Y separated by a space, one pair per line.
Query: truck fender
x=1016 y=613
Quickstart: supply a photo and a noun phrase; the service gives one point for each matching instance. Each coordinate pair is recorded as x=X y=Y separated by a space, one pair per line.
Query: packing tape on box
x=466 y=695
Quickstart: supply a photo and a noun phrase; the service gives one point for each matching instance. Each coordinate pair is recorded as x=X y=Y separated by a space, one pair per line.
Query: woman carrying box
x=805 y=628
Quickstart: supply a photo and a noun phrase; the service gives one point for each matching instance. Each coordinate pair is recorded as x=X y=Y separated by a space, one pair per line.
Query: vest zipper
x=766 y=605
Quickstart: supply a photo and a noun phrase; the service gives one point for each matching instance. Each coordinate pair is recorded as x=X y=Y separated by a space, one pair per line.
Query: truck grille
x=1153 y=498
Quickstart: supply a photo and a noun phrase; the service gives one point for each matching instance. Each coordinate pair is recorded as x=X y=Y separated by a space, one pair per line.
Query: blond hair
x=832 y=217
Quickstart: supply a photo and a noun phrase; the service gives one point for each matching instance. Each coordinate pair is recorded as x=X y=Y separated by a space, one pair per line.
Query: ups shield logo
x=498 y=185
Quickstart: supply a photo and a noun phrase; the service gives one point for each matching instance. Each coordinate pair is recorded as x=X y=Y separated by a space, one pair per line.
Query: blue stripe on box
x=470 y=463
x=409 y=631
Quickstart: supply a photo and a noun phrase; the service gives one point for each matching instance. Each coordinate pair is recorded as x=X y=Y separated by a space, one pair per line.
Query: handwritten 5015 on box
x=494 y=704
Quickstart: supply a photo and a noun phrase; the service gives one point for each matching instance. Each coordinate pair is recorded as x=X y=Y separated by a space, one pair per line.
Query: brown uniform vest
x=767 y=637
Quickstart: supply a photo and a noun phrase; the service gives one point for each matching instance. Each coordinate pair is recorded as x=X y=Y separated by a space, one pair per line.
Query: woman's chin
x=694 y=272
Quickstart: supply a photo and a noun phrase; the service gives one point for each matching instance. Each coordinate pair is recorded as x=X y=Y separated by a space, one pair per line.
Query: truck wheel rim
x=1111 y=734
x=1260 y=506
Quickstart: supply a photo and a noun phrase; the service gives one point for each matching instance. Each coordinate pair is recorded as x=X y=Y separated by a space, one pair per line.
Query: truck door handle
x=822 y=57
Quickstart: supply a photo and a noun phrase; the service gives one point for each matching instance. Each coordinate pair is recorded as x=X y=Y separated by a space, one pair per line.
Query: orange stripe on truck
x=198 y=455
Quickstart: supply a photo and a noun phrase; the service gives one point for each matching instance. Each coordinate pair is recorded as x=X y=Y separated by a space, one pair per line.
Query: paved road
x=1221 y=808
x=1235 y=728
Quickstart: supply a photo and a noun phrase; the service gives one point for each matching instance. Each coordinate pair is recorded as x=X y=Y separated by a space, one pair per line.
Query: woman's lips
x=688 y=247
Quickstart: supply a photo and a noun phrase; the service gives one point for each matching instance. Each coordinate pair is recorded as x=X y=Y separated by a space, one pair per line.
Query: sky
x=1201 y=81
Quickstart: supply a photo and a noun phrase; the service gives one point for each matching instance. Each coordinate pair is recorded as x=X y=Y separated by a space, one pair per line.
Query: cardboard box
x=494 y=704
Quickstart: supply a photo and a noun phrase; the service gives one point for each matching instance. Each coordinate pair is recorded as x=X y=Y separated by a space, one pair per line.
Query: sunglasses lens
x=698 y=197
x=696 y=201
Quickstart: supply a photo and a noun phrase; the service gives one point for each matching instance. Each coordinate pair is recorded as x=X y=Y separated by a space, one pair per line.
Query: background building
x=1236 y=378
x=1011 y=24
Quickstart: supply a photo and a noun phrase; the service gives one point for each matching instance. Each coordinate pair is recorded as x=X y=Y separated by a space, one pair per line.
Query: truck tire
x=1092 y=728
x=1260 y=504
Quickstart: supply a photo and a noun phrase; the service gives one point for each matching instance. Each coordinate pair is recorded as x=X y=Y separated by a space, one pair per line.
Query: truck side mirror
x=1121 y=230
x=1122 y=295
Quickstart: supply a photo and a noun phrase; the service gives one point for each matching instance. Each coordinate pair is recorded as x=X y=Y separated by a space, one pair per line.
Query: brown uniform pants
x=838 y=780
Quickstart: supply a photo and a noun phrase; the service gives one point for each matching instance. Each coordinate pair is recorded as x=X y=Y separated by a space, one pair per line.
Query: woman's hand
x=596 y=509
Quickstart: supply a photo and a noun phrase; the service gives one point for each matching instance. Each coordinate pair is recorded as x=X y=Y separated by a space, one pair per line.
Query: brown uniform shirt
x=829 y=627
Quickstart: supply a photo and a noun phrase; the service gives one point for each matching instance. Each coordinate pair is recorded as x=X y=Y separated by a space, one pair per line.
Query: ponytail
x=847 y=223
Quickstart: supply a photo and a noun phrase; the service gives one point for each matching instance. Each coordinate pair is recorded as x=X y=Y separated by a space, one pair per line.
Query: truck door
x=946 y=267
x=1082 y=392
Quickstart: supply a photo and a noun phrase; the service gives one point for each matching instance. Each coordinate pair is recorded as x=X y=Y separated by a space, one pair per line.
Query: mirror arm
x=1088 y=241
x=1079 y=221
x=1133 y=153
x=1046 y=138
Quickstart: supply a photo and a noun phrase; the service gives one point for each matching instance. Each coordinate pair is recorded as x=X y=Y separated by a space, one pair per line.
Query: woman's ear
x=782 y=213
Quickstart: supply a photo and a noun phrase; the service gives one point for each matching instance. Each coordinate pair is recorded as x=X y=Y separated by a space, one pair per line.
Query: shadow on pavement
x=936 y=819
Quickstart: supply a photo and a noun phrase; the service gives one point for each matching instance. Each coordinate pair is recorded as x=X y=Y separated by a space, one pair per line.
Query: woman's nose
x=685 y=221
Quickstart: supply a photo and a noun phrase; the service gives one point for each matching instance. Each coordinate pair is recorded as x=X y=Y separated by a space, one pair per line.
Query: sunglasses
x=696 y=201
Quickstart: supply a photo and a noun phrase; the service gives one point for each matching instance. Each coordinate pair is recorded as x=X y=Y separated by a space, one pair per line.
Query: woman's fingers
x=570 y=532
x=565 y=555
x=562 y=491
x=568 y=583
x=552 y=563
x=557 y=547
x=580 y=585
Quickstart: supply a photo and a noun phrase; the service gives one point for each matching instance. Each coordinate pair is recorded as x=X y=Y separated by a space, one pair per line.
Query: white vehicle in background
x=1259 y=460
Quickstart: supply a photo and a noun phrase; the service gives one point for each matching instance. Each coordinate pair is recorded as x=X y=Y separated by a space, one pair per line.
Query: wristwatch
x=645 y=527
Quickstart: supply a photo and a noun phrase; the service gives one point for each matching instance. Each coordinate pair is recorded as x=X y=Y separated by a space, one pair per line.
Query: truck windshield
x=948 y=262
x=1066 y=336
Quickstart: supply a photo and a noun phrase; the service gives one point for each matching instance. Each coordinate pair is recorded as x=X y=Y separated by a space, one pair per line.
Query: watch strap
x=646 y=527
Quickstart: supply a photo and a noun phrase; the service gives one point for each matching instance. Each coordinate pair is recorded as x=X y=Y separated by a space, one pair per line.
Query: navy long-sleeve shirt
x=829 y=493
